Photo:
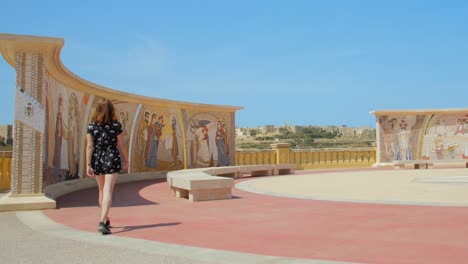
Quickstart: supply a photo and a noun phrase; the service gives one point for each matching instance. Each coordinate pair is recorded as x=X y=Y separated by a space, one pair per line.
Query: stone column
x=377 y=140
x=282 y=152
x=28 y=134
x=378 y=159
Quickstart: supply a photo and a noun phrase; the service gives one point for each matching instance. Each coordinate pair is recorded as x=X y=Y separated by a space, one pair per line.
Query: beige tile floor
x=425 y=187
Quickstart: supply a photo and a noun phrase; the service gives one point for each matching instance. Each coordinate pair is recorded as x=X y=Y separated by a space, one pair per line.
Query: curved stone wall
x=53 y=107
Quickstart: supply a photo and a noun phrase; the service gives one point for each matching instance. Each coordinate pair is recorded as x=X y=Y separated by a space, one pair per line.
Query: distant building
x=267 y=129
x=331 y=128
x=241 y=132
x=347 y=132
x=359 y=132
x=368 y=132
x=343 y=130
x=293 y=128
x=6 y=132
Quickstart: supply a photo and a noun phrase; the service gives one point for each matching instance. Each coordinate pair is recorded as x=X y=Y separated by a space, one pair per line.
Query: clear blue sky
x=295 y=62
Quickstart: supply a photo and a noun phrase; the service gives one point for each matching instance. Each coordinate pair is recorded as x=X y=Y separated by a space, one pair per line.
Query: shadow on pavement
x=131 y=228
x=126 y=194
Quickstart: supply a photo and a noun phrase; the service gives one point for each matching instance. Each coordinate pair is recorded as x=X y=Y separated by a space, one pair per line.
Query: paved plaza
x=320 y=216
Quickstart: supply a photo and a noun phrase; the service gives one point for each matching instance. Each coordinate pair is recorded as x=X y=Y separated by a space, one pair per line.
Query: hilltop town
x=6 y=137
x=263 y=136
x=307 y=136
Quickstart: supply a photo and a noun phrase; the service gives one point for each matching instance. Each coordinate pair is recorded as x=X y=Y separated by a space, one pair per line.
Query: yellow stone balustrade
x=5 y=170
x=309 y=158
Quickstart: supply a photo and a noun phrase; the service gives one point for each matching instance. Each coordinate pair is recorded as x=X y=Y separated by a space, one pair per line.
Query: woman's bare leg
x=100 y=184
x=109 y=182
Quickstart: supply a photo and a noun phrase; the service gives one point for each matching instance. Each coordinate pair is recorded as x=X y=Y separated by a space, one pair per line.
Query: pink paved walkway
x=277 y=226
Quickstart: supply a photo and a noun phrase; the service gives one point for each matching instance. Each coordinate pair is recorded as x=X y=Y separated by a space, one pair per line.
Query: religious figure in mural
x=451 y=150
x=192 y=143
x=59 y=130
x=439 y=146
x=173 y=142
x=392 y=122
x=222 y=143
x=73 y=132
x=465 y=123
x=390 y=139
x=460 y=128
x=152 y=142
x=142 y=139
x=159 y=131
x=204 y=159
x=440 y=127
x=404 y=146
x=123 y=116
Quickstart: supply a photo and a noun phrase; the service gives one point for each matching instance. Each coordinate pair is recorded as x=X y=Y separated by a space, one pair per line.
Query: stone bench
x=429 y=164
x=228 y=171
x=451 y=163
x=216 y=183
x=284 y=169
x=237 y=172
x=415 y=164
x=258 y=170
x=199 y=186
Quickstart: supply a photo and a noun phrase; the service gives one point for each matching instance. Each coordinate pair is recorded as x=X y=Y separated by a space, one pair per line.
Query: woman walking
x=104 y=140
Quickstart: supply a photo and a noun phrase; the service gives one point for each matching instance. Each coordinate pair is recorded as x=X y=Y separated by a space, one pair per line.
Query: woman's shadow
x=125 y=195
x=131 y=228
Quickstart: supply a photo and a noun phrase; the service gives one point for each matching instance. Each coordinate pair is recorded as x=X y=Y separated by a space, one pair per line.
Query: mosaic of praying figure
x=73 y=132
x=465 y=123
x=156 y=133
x=151 y=156
x=204 y=159
x=390 y=138
x=59 y=130
x=438 y=147
x=440 y=128
x=142 y=140
x=174 y=145
x=222 y=143
x=159 y=127
x=192 y=143
x=460 y=129
x=123 y=116
x=404 y=146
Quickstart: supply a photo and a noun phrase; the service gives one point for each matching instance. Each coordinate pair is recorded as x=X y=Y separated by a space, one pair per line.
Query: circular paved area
x=419 y=187
x=288 y=227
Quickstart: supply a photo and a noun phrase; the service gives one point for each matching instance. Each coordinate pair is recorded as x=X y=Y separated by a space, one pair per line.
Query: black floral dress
x=106 y=157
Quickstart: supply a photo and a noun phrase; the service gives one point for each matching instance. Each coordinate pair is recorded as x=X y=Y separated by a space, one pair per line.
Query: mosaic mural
x=208 y=142
x=423 y=136
x=158 y=138
x=64 y=132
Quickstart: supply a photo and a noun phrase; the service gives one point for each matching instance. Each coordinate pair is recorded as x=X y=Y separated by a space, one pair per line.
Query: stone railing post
x=282 y=152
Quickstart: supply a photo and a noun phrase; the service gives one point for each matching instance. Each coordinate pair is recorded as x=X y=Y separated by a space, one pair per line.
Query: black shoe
x=108 y=225
x=103 y=229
